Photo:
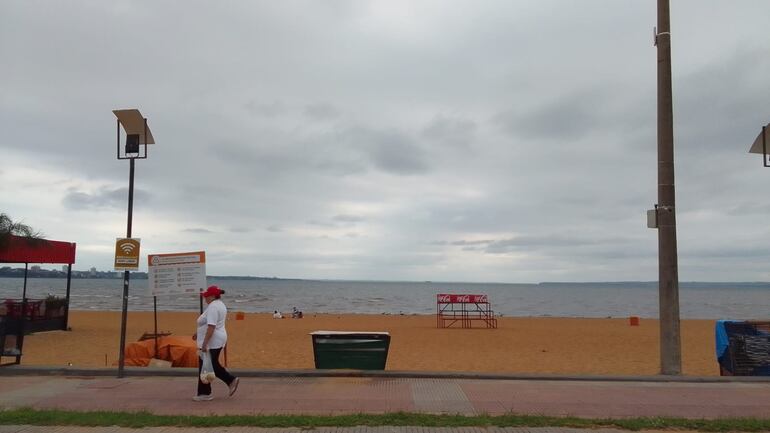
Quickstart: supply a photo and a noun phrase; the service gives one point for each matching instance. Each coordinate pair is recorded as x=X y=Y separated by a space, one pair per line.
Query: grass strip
x=29 y=416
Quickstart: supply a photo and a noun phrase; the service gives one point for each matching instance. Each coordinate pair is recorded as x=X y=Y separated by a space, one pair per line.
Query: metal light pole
x=138 y=136
x=668 y=275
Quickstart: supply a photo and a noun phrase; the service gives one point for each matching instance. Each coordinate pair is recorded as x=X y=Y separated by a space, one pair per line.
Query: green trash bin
x=353 y=350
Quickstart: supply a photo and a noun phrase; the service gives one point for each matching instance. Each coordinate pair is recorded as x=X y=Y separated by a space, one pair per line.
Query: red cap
x=212 y=291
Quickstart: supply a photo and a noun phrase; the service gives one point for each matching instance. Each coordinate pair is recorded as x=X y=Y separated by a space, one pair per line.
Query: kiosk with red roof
x=20 y=316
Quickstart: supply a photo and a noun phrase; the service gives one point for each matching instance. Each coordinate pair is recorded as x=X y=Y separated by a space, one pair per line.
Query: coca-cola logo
x=462 y=299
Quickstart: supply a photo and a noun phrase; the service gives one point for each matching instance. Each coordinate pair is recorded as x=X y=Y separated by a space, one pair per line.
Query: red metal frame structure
x=465 y=310
x=19 y=249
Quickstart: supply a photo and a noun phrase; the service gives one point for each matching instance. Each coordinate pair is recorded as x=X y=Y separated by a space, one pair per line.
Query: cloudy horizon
x=390 y=140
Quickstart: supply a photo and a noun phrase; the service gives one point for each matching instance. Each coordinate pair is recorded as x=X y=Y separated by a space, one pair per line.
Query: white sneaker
x=234 y=386
x=203 y=397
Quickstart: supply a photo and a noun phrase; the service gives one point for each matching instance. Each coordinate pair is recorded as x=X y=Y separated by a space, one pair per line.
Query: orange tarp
x=180 y=351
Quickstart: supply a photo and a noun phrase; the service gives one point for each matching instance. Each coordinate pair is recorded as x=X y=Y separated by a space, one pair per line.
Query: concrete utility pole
x=668 y=275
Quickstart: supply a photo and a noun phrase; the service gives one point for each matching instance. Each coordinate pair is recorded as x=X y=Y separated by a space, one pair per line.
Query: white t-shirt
x=214 y=314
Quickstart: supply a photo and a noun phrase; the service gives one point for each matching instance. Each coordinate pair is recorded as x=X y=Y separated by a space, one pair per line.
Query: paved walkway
x=344 y=395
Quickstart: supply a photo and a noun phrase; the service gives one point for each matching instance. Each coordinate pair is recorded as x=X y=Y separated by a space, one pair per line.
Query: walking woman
x=211 y=338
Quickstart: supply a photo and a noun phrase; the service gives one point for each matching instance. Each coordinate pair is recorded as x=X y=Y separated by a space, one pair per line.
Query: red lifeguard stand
x=465 y=310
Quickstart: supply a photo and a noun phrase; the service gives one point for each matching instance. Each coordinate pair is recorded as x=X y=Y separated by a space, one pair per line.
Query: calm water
x=697 y=300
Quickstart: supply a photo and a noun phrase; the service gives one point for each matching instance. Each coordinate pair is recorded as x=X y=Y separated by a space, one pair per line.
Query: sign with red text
x=461 y=299
x=176 y=273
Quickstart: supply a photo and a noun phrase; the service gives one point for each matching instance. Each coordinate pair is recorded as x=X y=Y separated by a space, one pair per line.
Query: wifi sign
x=127 y=248
x=127 y=254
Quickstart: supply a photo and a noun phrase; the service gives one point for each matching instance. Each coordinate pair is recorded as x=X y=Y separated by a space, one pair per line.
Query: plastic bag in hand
x=207 y=370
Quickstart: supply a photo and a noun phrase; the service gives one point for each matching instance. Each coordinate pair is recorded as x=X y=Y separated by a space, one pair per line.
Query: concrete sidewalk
x=345 y=395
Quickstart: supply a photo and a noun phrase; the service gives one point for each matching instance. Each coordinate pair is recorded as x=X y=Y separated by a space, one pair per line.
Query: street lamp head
x=762 y=144
x=132 y=143
x=137 y=133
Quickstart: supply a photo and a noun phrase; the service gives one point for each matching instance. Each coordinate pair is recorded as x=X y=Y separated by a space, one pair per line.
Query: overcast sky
x=508 y=141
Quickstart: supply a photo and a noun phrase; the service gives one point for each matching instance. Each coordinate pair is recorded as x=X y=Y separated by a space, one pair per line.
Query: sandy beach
x=518 y=345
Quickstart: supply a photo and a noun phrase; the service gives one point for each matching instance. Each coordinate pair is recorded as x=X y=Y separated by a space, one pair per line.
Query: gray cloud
x=520 y=242
x=451 y=131
x=197 y=230
x=566 y=118
x=320 y=223
x=240 y=229
x=496 y=140
x=461 y=243
x=271 y=109
x=321 y=111
x=389 y=150
x=103 y=198
x=717 y=108
x=348 y=218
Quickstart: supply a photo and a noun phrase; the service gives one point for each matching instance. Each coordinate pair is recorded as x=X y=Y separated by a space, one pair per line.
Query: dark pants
x=224 y=375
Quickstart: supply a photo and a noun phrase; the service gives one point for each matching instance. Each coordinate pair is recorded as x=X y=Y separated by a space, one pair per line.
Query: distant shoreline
x=51 y=274
x=636 y=284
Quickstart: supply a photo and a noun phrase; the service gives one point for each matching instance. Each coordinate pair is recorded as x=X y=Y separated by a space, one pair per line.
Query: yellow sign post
x=127 y=254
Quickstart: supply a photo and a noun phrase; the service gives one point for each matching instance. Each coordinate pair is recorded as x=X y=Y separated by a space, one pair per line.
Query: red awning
x=22 y=250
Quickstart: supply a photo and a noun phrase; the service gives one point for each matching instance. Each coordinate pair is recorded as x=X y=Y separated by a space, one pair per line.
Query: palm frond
x=9 y=227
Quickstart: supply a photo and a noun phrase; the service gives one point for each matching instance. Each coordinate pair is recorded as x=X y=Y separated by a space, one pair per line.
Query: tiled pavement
x=342 y=395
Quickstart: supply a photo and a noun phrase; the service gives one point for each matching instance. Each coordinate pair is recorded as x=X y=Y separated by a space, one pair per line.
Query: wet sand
x=518 y=345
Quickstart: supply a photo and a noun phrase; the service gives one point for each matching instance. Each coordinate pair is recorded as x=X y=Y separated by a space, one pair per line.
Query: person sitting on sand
x=277 y=315
x=295 y=313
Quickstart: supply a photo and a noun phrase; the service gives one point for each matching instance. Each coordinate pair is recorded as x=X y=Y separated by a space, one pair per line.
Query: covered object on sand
x=179 y=351
x=743 y=347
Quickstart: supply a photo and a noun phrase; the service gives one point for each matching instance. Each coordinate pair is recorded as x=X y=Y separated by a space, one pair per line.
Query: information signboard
x=175 y=273
x=127 y=254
